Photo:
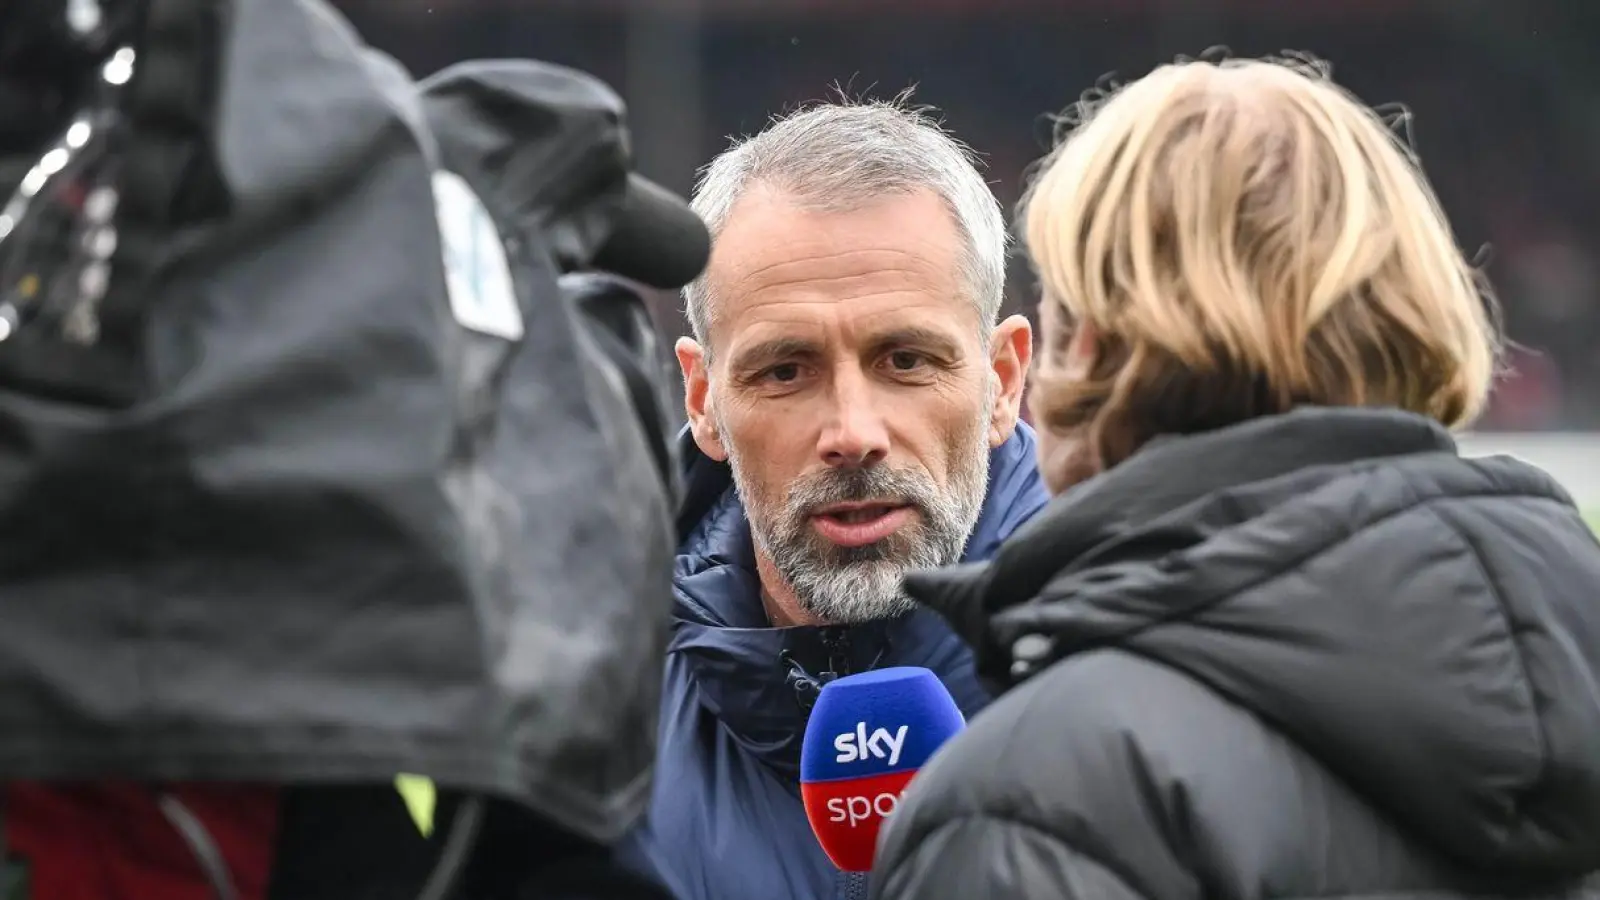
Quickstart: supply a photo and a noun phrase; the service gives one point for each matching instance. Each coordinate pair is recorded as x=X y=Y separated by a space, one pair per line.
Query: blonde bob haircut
x=1245 y=237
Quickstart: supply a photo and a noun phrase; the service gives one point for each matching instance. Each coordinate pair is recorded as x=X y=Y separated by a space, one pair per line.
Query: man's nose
x=856 y=434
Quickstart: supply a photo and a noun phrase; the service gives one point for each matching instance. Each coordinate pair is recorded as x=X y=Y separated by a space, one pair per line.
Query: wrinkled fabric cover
x=333 y=535
x=726 y=820
x=1318 y=655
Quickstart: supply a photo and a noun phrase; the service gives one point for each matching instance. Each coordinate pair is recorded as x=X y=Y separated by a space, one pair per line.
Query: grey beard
x=850 y=585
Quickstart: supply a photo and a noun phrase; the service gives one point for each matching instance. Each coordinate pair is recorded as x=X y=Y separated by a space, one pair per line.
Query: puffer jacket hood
x=1426 y=628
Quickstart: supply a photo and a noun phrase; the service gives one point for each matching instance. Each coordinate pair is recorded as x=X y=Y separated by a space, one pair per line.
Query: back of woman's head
x=1237 y=239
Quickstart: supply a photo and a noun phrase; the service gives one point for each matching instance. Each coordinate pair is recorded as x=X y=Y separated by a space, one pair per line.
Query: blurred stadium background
x=1506 y=98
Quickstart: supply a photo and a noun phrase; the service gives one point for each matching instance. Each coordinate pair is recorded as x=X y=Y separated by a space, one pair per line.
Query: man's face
x=853 y=391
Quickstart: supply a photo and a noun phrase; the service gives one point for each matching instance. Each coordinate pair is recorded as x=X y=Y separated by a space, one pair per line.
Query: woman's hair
x=1246 y=237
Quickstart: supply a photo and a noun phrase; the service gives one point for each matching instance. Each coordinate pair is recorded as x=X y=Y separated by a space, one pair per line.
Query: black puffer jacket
x=1314 y=656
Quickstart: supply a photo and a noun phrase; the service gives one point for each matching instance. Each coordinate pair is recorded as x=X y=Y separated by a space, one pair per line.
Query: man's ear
x=697 y=398
x=1010 y=353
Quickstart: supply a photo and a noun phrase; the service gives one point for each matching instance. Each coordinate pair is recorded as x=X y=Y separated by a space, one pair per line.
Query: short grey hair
x=837 y=157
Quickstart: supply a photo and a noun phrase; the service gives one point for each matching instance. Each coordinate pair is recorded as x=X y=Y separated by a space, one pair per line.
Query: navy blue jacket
x=725 y=821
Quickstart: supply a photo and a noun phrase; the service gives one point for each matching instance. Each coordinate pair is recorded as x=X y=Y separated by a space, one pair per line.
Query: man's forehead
x=778 y=257
x=770 y=218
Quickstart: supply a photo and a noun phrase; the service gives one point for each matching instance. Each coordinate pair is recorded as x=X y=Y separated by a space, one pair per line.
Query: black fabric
x=352 y=842
x=1318 y=655
x=619 y=321
x=359 y=843
x=172 y=175
x=338 y=532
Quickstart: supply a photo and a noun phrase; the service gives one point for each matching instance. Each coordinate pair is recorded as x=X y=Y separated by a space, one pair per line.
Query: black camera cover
x=349 y=486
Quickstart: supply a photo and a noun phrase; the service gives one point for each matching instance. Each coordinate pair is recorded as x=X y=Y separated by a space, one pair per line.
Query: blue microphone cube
x=877 y=723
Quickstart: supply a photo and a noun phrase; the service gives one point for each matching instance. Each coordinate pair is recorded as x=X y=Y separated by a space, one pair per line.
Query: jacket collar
x=1101 y=516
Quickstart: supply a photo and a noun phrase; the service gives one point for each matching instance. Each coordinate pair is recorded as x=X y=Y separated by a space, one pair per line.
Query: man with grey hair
x=853 y=407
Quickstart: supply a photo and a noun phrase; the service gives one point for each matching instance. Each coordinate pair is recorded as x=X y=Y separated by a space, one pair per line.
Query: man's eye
x=785 y=372
x=905 y=360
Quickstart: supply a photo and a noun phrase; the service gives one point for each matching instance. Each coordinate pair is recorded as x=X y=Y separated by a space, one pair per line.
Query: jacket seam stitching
x=1543 y=773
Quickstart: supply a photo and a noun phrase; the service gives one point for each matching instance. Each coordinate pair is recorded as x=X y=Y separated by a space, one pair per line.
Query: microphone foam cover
x=867 y=736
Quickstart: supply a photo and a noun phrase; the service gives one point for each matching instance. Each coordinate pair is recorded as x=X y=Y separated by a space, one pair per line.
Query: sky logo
x=858 y=745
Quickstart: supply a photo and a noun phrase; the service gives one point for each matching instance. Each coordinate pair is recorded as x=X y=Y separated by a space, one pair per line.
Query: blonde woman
x=1276 y=639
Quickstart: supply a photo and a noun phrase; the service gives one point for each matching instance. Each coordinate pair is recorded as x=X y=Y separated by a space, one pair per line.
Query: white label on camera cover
x=477 y=274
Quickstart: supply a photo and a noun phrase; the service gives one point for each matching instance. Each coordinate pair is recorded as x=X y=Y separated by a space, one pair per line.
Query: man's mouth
x=861 y=524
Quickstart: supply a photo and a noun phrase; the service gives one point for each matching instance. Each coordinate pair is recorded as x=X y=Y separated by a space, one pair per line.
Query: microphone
x=656 y=240
x=868 y=735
